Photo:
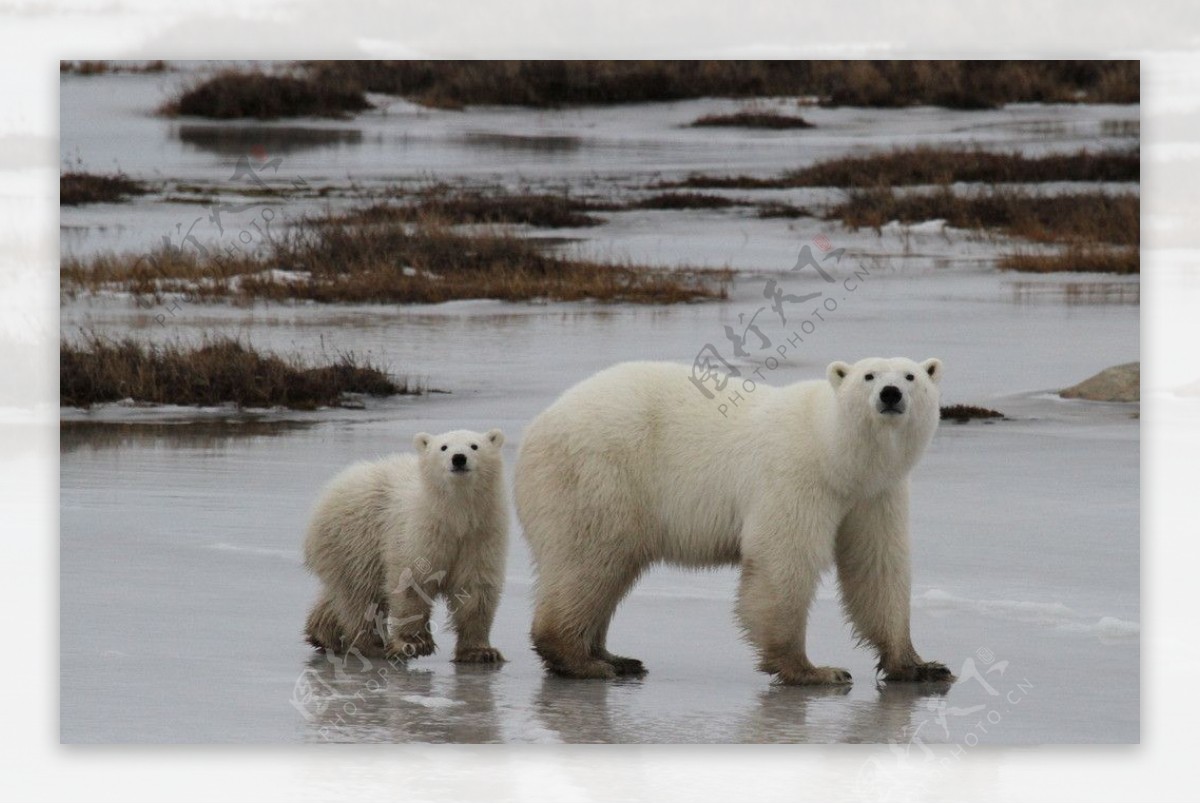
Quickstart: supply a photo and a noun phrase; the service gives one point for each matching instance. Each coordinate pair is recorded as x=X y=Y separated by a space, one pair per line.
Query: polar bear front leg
x=472 y=612
x=874 y=574
x=782 y=561
x=409 y=609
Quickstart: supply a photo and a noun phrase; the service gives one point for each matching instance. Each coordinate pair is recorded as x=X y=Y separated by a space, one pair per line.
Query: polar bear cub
x=389 y=537
x=634 y=467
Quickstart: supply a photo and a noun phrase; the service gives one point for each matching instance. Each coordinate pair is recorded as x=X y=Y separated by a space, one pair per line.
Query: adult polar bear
x=633 y=467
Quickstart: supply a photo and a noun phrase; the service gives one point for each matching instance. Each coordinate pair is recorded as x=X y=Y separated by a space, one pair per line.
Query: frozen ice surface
x=183 y=595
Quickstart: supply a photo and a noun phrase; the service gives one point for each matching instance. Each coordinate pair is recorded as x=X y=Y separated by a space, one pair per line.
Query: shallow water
x=182 y=588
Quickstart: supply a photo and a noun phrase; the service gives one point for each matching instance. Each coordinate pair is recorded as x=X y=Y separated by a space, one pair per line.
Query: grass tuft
x=336 y=88
x=95 y=369
x=1093 y=217
x=533 y=209
x=1076 y=258
x=78 y=187
x=235 y=94
x=346 y=259
x=961 y=414
x=781 y=209
x=893 y=84
x=752 y=119
x=106 y=67
x=929 y=165
x=683 y=201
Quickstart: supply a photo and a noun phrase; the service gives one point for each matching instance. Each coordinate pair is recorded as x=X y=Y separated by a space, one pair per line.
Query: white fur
x=390 y=536
x=634 y=466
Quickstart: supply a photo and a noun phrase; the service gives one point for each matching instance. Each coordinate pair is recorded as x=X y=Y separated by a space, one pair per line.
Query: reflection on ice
x=239 y=140
x=202 y=434
x=350 y=699
x=546 y=143
x=1089 y=292
x=354 y=699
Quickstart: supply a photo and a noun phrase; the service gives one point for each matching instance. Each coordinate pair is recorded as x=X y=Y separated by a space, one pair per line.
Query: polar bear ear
x=495 y=437
x=933 y=367
x=837 y=372
x=421 y=441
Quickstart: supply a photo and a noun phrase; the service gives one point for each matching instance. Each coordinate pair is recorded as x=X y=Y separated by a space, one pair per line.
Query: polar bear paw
x=485 y=655
x=625 y=666
x=924 y=671
x=410 y=646
x=813 y=676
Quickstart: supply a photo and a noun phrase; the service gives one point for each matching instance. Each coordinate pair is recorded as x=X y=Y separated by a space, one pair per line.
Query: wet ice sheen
x=182 y=590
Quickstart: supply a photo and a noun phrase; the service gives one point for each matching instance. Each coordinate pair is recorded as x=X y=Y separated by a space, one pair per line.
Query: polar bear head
x=459 y=457
x=891 y=392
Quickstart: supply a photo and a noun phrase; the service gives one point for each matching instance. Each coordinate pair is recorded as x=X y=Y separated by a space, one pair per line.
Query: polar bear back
x=359 y=510
x=641 y=446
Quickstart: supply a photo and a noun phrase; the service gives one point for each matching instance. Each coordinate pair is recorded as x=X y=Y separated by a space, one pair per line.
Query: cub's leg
x=875 y=579
x=472 y=610
x=409 y=608
x=358 y=609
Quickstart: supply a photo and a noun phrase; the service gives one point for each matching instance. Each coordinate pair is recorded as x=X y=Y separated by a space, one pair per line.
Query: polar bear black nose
x=459 y=460
x=890 y=395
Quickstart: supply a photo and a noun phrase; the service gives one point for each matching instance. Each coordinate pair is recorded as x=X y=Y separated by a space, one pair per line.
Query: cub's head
x=890 y=392
x=459 y=457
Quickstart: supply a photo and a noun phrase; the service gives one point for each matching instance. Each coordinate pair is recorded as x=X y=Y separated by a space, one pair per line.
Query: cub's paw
x=410 y=646
x=926 y=671
x=591 y=668
x=479 y=656
x=814 y=676
x=625 y=666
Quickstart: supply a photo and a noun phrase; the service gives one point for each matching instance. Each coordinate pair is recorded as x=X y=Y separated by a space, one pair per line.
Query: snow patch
x=257 y=551
x=1055 y=615
x=431 y=701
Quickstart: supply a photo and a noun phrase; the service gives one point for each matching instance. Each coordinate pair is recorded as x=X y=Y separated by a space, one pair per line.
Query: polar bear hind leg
x=570 y=624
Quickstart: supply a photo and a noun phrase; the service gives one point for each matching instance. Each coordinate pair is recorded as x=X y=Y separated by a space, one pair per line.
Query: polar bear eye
x=869 y=377
x=444 y=447
x=474 y=446
x=908 y=377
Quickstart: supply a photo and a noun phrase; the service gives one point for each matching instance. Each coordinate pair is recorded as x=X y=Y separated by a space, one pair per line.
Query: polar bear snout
x=459 y=463
x=891 y=401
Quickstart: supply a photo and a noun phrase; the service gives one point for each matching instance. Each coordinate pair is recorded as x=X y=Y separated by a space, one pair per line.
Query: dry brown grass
x=106 y=67
x=234 y=94
x=929 y=165
x=748 y=118
x=956 y=84
x=683 y=201
x=94 y=369
x=703 y=181
x=781 y=209
x=337 y=259
x=1094 y=217
x=926 y=165
x=1076 y=259
x=78 y=187
x=961 y=414
x=469 y=206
